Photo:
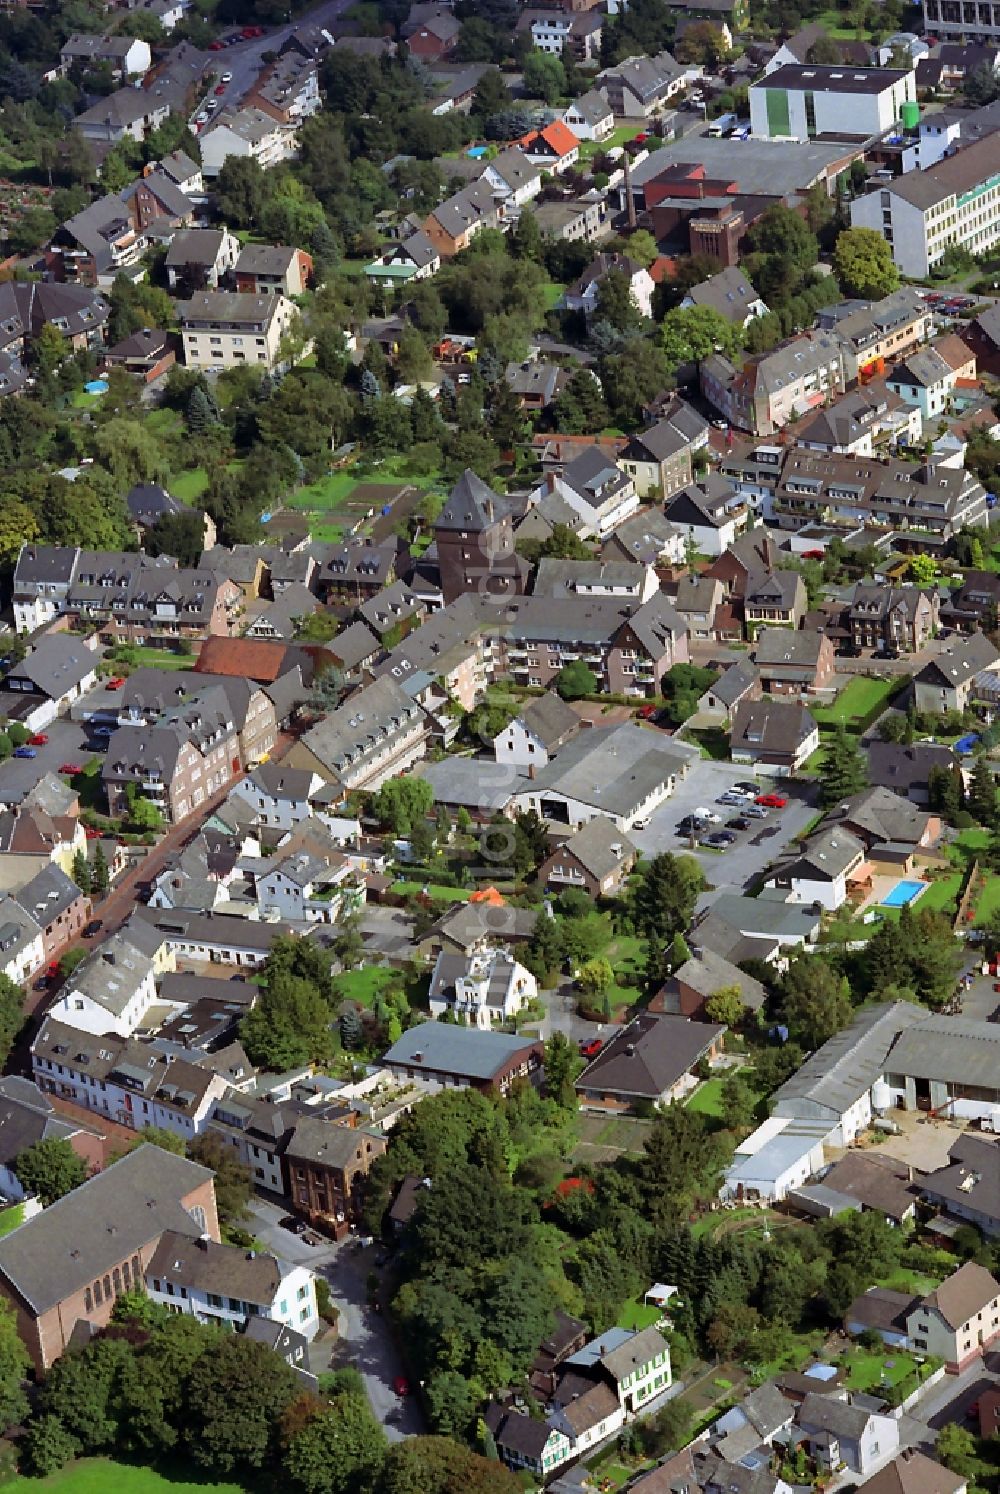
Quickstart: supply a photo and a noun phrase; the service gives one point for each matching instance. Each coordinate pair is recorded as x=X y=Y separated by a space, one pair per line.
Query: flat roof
x=838 y=79
x=771 y=168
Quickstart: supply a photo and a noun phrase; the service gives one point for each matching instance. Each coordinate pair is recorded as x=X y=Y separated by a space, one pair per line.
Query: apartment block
x=222 y=329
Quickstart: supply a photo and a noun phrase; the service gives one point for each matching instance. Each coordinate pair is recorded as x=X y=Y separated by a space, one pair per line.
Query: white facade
x=602 y=518
x=293 y=1304
x=778 y=1157
x=586 y=127
x=278 y=813
x=799 y=103
x=269 y=145
x=492 y=990
x=919 y=236
x=518 y=747
x=125 y=1106
x=123 y=1014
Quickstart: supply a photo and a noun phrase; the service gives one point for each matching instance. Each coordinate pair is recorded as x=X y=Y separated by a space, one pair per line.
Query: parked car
x=38 y=739
x=25 y=752
x=220 y=89
x=104 y=730
x=646 y=712
x=719 y=840
x=849 y=651
x=755 y=812
x=91 y=833
x=730 y=798
x=709 y=815
x=93 y=927
x=772 y=801
x=591 y=1048
x=739 y=823
x=227 y=77
x=71 y=769
x=691 y=826
x=886 y=652
x=747 y=789
x=293 y=1225
x=401 y=1385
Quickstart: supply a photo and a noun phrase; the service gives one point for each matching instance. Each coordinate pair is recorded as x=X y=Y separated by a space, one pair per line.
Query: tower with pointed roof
x=475 y=542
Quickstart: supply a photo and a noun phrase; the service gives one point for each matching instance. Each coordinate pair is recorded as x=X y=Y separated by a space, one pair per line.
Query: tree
x=526 y=239
x=544 y=77
x=421 y=840
x=596 y=976
x=923 y=568
x=143 y=814
x=580 y=408
x=49 y=1445
x=616 y=305
x=738 y=1102
x=863 y=263
x=733 y=1329
x=289 y=1025
x=843 y=771
x=663 y=899
x=233 y=1186
x=956 y=1449
x=575 y=680
x=167 y=1141
x=452 y=1400
x=49 y=1169
x=81 y=871
x=100 y=876
x=815 y=1000
x=199 y=415
x=14 y=1366
x=236 y=1393
x=726 y=1005
x=562 y=1064
x=439 y=1465
x=546 y=949
x=692 y=334
x=981 y=799
x=400 y=802
x=338 y=1451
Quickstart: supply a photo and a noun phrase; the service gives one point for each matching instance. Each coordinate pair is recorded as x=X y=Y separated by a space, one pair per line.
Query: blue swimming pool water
x=903 y=893
x=476 y=151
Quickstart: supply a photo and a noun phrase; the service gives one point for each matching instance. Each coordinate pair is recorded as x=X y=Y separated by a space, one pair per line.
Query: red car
x=249 y=32
x=117 y=682
x=220 y=90
x=71 y=769
x=92 y=834
x=216 y=46
x=813 y=554
x=646 y=713
x=771 y=801
x=591 y=1048
x=38 y=740
x=401 y=1385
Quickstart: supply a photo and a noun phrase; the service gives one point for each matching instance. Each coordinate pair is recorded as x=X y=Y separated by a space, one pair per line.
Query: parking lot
x=68 y=742
x=733 y=868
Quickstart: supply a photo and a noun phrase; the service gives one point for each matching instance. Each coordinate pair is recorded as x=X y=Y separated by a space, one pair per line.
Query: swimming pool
x=903 y=893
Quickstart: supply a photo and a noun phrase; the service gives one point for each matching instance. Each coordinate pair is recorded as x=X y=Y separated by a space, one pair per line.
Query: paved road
x=365 y=1340
x=245 y=59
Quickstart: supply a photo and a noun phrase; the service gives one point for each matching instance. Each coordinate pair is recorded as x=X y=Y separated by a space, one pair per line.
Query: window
x=88 y=1300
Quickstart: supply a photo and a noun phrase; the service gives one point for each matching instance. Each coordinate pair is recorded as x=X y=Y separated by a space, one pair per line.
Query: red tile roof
x=249 y=658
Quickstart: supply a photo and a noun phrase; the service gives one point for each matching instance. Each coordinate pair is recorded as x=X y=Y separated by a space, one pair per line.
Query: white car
x=201 y=118
x=709 y=815
x=227 y=77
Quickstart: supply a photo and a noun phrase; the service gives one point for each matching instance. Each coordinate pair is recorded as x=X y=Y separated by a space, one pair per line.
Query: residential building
x=135 y=1084
x=796 y=102
x=730 y=294
x=126 y=56
x=710 y=513
x=110 y=992
x=597 y=858
x=929 y=378
x=68 y=1265
x=649 y=1061
x=464 y=1057
x=199 y=258
x=590 y=117
x=647 y=539
x=736 y=683
x=876 y=1183
x=223 y=329
x=278 y=796
x=485 y=989
x=874 y=333
x=325 y=1167
x=574 y=218
x=311 y=885
x=285 y=89
x=177 y=764
x=79 y=315
x=824 y=870
x=21 y=946
x=228 y=1286
x=793 y=662
x=658 y=460
x=127 y=114
x=967 y=1187
x=536 y=382
x=553 y=148
x=431 y=32
x=475 y=542
x=378 y=733
x=454 y=223
x=544 y=726
x=577 y=34
x=945 y=683
x=513 y=179
x=252 y=133
x=28 y=1118
x=57 y=905
x=640 y=87
x=405 y=262
x=954 y=201
x=698 y=979
x=771 y=389
x=905 y=770
x=913 y=1472
x=583 y=293
x=596 y=488
x=149 y=353
x=959 y=1320
x=776 y=735
x=774 y=599
x=837 y=1432
x=357 y=571
x=51 y=676
x=902 y=617
x=273 y=269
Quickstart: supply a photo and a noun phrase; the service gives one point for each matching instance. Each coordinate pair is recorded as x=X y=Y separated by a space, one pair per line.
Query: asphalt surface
x=365 y=1338
x=245 y=59
x=732 y=869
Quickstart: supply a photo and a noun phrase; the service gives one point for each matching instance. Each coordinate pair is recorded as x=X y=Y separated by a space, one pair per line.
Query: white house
x=960 y=1319
x=307 y=888
x=840 y=1432
x=596 y=488
x=110 y=992
x=512 y=177
x=488 y=987
x=590 y=117
x=278 y=797
x=822 y=872
x=799 y=103
x=537 y=733
x=57 y=671
x=250 y=133
x=928 y=377
x=583 y=293
x=226 y=1285
x=780 y=1155
x=22 y=942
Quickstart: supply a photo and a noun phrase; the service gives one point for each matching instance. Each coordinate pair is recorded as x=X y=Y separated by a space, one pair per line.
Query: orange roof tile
x=488 y=895
x=251 y=658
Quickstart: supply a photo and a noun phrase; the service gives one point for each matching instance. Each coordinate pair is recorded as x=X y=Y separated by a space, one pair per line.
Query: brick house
x=67 y=1266
x=57 y=905
x=597 y=859
x=649 y=1061
x=325 y=1166
x=794 y=663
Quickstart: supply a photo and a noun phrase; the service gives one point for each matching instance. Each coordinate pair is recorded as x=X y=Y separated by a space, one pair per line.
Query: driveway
x=365 y=1340
x=734 y=868
x=245 y=59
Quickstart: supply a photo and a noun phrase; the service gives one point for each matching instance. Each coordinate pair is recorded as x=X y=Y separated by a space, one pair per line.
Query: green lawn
x=108 y=1476
x=707 y=1099
x=436 y=893
x=329 y=492
x=903 y=1279
x=189 y=486
x=552 y=294
x=857 y=698
x=11 y=1218
x=712 y=742
x=868 y=1371
x=365 y=984
x=84 y=401
x=635 y=1315
x=162 y=658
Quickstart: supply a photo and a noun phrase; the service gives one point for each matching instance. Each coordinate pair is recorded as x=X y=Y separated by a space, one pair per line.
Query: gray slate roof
x=457 y=1050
